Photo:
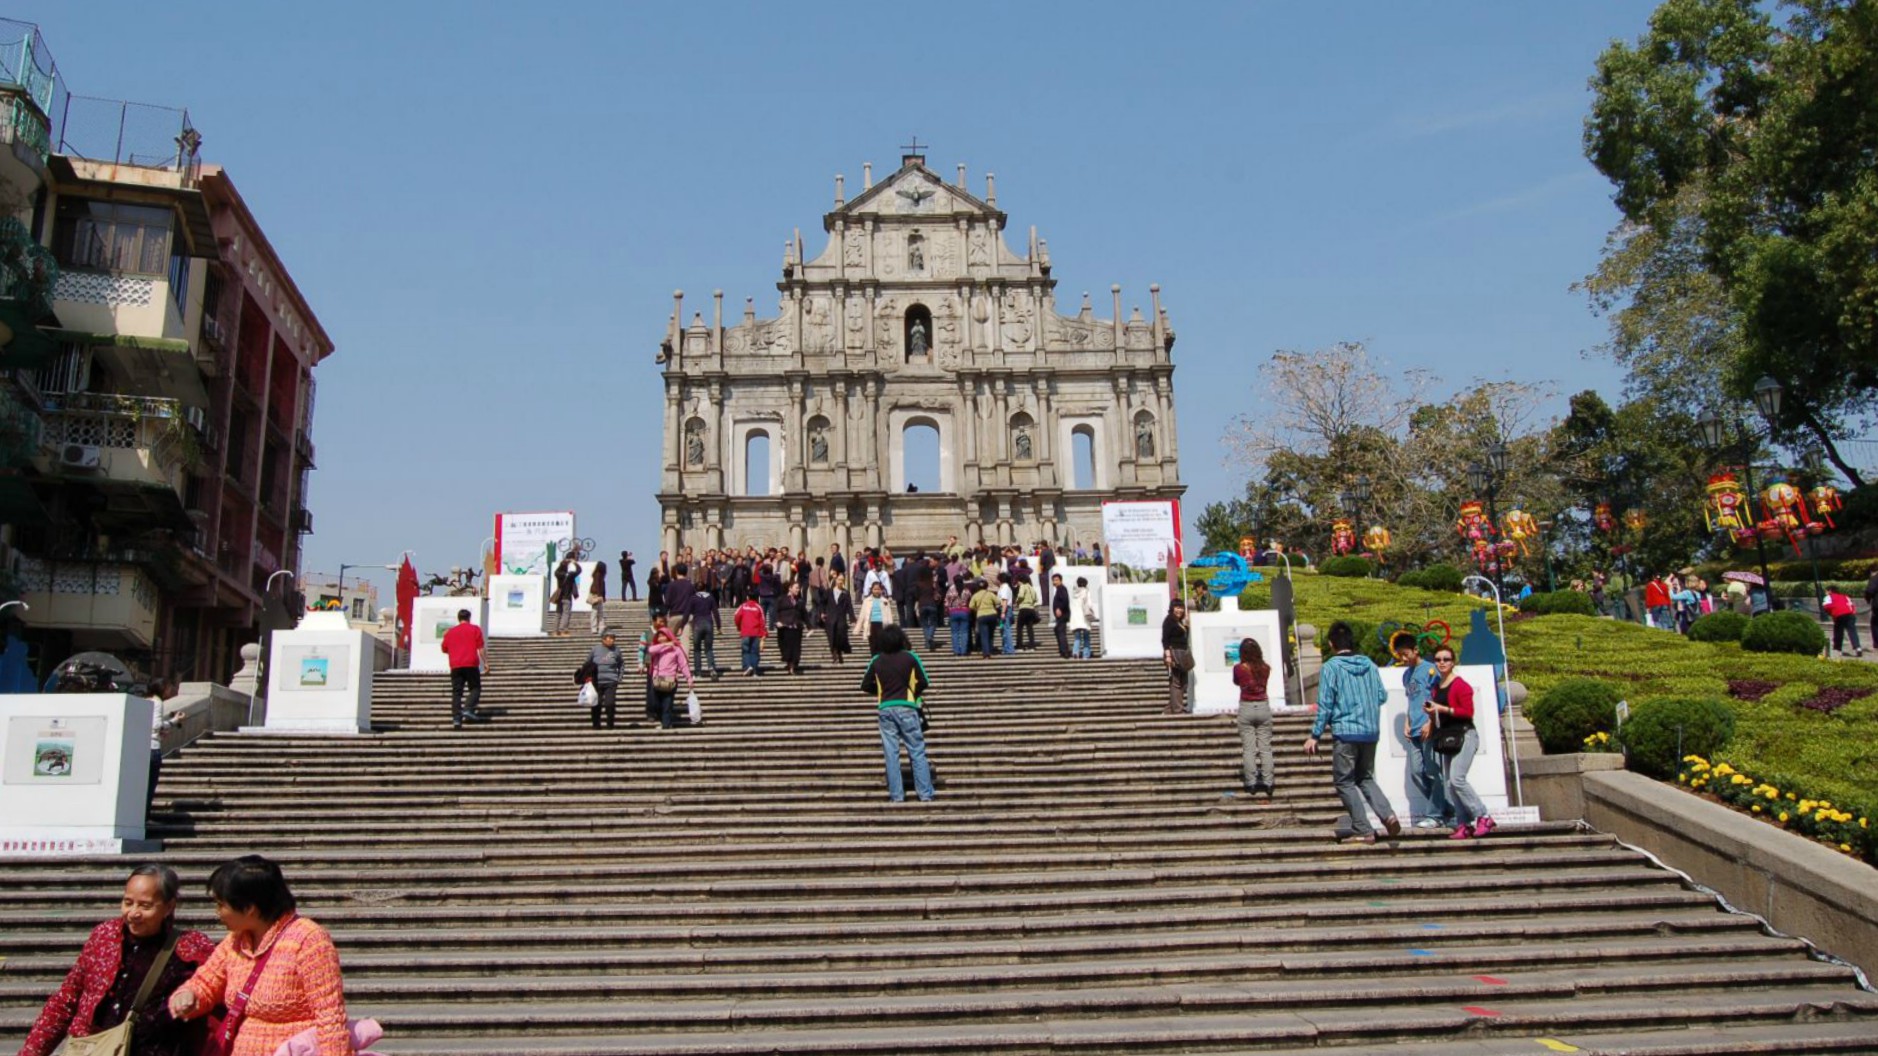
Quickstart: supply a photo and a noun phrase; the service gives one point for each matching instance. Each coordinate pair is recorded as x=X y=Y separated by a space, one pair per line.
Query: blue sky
x=489 y=210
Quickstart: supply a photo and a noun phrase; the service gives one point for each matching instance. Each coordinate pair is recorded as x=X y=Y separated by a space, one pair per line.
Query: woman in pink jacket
x=668 y=662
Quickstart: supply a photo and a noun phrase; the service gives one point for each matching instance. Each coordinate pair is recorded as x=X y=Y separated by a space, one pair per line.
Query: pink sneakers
x=1483 y=826
x=1460 y=832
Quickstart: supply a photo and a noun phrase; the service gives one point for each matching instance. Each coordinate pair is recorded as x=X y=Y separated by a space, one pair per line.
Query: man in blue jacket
x=1349 y=703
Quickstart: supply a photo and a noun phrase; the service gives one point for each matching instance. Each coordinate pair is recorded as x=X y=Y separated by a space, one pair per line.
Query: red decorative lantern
x=1602 y=519
x=1826 y=502
x=1636 y=520
x=1478 y=532
x=1727 y=509
x=1786 y=511
x=1342 y=537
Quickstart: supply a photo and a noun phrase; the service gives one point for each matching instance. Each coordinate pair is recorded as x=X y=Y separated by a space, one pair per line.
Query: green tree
x=1223 y=524
x=1773 y=119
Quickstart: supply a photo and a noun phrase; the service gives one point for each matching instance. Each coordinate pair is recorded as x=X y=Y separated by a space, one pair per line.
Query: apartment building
x=167 y=359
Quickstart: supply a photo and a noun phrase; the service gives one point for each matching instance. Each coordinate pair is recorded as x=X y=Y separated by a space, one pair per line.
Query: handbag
x=1183 y=660
x=116 y=1041
x=665 y=685
x=1450 y=739
x=595 y=600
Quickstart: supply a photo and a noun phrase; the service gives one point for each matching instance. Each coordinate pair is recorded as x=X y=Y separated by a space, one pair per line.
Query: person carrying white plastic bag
x=693 y=710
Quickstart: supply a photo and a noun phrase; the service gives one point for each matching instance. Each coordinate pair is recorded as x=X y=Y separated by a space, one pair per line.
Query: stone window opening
x=918 y=334
x=756 y=456
x=1082 y=461
x=920 y=456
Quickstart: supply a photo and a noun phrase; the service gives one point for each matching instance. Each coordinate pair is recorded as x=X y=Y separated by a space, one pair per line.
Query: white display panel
x=517 y=606
x=431 y=616
x=1216 y=637
x=524 y=541
x=1131 y=619
x=1142 y=534
x=74 y=771
x=1487 y=775
x=320 y=678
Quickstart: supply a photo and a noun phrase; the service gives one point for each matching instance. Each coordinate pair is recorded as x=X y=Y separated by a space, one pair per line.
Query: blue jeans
x=1009 y=644
x=752 y=653
x=1353 y=773
x=1079 y=647
x=769 y=610
x=959 y=626
x=1467 y=805
x=987 y=626
x=901 y=726
x=1425 y=775
x=929 y=623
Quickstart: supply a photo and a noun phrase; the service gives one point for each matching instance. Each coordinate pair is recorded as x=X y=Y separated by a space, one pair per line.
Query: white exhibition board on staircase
x=1487 y=775
x=320 y=677
x=517 y=606
x=1215 y=637
x=74 y=772
x=431 y=616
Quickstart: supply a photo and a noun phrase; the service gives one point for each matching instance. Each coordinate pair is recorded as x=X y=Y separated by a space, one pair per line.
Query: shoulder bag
x=222 y=1041
x=116 y=1041
x=1450 y=739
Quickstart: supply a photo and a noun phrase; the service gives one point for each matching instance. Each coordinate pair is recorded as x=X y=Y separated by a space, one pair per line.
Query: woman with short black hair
x=101 y=990
x=277 y=972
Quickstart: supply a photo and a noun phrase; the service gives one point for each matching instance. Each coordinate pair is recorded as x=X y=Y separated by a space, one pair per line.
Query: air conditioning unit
x=82 y=456
x=195 y=417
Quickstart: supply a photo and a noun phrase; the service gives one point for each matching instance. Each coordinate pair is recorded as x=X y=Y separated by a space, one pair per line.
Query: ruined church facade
x=916 y=315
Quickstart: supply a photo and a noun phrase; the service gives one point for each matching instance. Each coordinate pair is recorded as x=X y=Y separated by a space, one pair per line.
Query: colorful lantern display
x=1520 y=526
x=1787 y=515
x=1377 y=539
x=1602 y=519
x=1478 y=531
x=1342 y=537
x=1636 y=520
x=1727 y=509
x=1826 y=501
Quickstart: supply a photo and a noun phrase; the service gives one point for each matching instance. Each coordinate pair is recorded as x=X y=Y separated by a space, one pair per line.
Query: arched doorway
x=1082 y=457
x=919 y=456
x=756 y=457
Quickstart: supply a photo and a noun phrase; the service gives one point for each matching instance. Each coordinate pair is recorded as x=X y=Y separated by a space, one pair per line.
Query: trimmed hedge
x=1574 y=709
x=1442 y=578
x=1660 y=732
x=1349 y=566
x=1559 y=602
x=1719 y=626
x=1784 y=632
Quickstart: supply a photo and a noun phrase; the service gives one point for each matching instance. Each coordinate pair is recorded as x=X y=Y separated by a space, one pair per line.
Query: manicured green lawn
x=1826 y=756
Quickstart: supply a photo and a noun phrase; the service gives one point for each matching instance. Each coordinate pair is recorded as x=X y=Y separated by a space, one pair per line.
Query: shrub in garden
x=1661 y=731
x=1719 y=626
x=1349 y=565
x=1445 y=578
x=1571 y=711
x=1784 y=632
x=1557 y=602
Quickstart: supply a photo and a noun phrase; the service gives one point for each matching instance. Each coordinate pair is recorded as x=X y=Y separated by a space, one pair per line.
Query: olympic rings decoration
x=1426 y=636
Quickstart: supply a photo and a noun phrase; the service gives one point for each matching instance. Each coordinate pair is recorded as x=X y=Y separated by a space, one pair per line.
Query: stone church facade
x=915 y=316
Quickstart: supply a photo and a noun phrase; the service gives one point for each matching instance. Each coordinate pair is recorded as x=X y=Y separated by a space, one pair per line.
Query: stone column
x=870 y=429
x=840 y=453
x=714 y=535
x=968 y=433
x=798 y=532
x=1046 y=431
x=1121 y=438
x=1007 y=533
x=794 y=471
x=1169 y=449
x=873 y=523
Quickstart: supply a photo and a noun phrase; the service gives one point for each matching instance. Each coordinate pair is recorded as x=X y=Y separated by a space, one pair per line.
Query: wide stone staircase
x=1090 y=880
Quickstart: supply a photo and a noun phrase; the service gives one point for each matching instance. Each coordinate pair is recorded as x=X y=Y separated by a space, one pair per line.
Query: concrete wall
x=1801 y=887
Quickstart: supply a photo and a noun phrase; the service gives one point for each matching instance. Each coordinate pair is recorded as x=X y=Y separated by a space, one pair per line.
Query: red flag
x=407 y=596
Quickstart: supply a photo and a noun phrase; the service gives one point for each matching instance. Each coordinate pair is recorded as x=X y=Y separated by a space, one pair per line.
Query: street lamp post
x=1486 y=478
x=1815 y=468
x=1715 y=433
x=342 y=578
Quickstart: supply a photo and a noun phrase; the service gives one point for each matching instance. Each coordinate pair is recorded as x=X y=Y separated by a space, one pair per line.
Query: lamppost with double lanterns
x=1485 y=479
x=1715 y=433
x=1355 y=498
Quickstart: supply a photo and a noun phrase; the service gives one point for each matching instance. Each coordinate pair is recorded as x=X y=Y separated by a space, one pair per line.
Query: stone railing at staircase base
x=202 y=708
x=1799 y=886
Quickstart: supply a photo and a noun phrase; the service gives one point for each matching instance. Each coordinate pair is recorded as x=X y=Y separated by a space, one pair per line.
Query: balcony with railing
x=107 y=604
x=26 y=65
x=134 y=439
x=24 y=127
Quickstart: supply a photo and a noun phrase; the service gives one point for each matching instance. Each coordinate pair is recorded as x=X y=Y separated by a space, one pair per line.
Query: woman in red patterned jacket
x=98 y=991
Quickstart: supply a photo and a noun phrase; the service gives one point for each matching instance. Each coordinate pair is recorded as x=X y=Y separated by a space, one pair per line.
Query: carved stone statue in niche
x=916 y=341
x=821 y=325
x=818 y=443
x=1144 y=438
x=915 y=252
x=1020 y=443
x=694 y=443
x=854 y=252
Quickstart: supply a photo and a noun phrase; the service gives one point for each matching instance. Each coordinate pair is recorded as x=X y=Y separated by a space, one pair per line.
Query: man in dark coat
x=1059 y=613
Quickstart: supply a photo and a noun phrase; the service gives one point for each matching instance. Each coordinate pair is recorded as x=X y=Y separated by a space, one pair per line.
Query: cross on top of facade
x=914 y=149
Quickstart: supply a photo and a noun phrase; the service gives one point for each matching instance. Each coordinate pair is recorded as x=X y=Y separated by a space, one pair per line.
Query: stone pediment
x=912 y=194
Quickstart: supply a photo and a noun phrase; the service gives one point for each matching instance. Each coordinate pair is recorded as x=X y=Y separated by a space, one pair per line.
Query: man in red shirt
x=1656 y=600
x=463 y=644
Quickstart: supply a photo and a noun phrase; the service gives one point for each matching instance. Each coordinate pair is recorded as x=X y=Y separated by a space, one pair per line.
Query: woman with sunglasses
x=1451 y=705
